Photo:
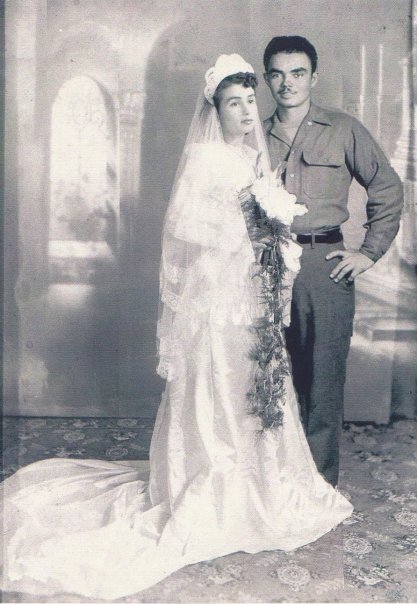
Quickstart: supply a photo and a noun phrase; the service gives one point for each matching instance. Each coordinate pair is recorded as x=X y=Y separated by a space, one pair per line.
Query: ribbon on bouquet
x=267 y=394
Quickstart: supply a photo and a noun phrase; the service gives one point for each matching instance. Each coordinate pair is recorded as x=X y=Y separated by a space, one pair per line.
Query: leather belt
x=333 y=236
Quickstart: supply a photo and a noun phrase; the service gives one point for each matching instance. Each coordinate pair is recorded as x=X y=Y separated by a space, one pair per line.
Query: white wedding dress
x=96 y=528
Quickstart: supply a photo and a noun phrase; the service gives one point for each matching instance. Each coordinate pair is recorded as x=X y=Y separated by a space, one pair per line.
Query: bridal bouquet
x=269 y=212
x=273 y=198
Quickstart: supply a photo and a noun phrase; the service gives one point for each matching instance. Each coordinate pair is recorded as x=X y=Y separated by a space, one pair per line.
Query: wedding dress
x=94 y=528
x=102 y=530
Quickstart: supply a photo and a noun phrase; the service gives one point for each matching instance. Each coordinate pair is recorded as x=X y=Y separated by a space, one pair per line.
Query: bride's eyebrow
x=237 y=98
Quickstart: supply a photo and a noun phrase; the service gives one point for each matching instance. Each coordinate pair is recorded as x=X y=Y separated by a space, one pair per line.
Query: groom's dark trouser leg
x=318 y=342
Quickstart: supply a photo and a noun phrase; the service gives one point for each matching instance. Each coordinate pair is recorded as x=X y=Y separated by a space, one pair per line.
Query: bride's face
x=237 y=111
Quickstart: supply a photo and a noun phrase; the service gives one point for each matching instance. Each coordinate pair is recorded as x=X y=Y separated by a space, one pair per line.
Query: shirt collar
x=315 y=114
x=320 y=115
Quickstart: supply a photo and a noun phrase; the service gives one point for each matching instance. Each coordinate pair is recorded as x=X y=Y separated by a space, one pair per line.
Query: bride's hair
x=248 y=80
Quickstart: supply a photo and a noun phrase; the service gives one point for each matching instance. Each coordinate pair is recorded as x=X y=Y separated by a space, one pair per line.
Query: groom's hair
x=290 y=44
x=248 y=80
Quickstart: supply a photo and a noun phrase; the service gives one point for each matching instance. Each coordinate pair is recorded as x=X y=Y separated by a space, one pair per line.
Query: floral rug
x=375 y=550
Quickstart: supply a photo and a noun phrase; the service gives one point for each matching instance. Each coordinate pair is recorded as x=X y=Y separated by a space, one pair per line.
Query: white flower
x=275 y=200
x=291 y=253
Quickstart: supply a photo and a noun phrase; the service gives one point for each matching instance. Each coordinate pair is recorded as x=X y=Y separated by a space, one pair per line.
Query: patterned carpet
x=376 y=548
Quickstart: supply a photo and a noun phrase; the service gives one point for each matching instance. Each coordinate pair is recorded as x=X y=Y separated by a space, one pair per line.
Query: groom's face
x=290 y=79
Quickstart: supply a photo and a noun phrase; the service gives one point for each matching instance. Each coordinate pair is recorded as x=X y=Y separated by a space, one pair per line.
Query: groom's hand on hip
x=352 y=264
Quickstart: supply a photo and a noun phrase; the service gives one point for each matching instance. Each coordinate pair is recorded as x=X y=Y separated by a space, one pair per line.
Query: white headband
x=226 y=65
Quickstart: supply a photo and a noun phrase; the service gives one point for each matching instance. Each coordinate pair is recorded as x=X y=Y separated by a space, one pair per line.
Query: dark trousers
x=318 y=342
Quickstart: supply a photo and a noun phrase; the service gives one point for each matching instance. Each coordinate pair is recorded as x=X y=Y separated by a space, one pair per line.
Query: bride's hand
x=244 y=195
x=261 y=245
x=260 y=242
x=264 y=243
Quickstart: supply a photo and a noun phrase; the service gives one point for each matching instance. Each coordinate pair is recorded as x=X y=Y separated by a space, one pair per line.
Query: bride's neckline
x=244 y=154
x=241 y=150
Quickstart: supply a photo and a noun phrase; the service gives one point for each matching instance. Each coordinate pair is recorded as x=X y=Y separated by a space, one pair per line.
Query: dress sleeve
x=204 y=208
x=206 y=252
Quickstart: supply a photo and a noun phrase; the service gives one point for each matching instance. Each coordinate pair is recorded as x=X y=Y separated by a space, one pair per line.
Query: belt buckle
x=313 y=239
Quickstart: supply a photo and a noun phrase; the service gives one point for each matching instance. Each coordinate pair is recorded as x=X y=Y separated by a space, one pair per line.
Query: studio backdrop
x=99 y=97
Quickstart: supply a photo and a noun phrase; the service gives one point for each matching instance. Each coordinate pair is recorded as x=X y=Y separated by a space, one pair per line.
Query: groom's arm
x=373 y=171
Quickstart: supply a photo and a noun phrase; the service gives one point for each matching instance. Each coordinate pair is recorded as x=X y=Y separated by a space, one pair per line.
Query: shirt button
x=309 y=123
x=291 y=175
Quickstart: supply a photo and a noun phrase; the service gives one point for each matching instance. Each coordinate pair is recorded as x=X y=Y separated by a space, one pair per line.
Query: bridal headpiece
x=226 y=65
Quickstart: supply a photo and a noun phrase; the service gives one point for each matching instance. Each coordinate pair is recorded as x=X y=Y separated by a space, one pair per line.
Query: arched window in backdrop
x=83 y=227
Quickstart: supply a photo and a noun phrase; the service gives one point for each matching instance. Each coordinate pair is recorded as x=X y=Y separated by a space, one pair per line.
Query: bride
x=227 y=474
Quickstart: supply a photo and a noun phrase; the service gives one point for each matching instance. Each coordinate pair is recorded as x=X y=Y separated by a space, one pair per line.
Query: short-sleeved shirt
x=329 y=149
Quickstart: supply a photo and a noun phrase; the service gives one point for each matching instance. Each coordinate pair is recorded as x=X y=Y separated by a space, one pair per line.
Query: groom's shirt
x=329 y=149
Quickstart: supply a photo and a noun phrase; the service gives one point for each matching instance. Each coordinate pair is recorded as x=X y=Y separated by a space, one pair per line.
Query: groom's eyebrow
x=296 y=70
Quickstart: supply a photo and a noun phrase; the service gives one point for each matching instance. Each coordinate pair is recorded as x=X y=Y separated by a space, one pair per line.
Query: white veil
x=196 y=226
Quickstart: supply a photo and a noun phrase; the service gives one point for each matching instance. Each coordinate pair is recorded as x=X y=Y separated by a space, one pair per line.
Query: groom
x=319 y=151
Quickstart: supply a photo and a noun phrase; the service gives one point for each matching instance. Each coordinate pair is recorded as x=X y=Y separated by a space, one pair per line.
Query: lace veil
x=198 y=226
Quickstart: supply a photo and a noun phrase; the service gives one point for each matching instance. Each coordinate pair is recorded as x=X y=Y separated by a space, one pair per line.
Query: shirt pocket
x=323 y=173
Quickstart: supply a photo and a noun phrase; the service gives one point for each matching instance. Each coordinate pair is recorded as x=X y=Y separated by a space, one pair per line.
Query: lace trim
x=164 y=369
x=170 y=299
x=168 y=346
x=173 y=273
